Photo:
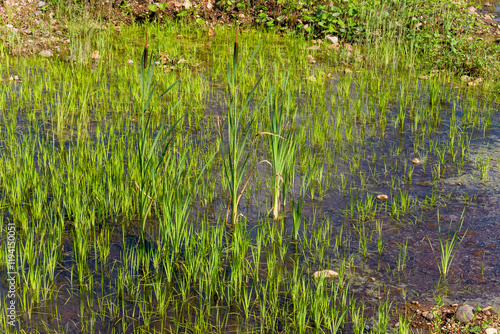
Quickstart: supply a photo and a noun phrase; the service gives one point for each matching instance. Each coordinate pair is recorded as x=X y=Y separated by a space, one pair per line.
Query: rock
x=465 y=78
x=326 y=274
x=333 y=39
x=464 y=313
x=491 y=330
x=349 y=47
x=372 y=279
x=416 y=161
x=41 y=4
x=428 y=315
x=45 y=53
x=382 y=197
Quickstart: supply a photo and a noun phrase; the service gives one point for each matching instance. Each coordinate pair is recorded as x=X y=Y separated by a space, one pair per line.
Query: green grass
x=126 y=200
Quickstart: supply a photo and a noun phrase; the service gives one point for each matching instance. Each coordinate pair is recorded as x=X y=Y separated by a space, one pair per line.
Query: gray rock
x=428 y=315
x=464 y=313
x=41 y=4
x=491 y=330
x=333 y=39
x=45 y=53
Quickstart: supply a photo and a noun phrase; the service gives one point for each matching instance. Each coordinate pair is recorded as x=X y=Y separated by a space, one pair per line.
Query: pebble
x=45 y=53
x=326 y=274
x=333 y=39
x=464 y=313
x=491 y=330
x=428 y=315
x=41 y=4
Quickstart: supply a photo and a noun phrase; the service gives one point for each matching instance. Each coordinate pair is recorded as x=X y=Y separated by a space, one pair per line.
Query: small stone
x=428 y=315
x=349 y=47
x=487 y=313
x=130 y=61
x=372 y=279
x=333 y=39
x=416 y=161
x=415 y=302
x=41 y=4
x=464 y=313
x=326 y=274
x=491 y=330
x=45 y=53
x=382 y=197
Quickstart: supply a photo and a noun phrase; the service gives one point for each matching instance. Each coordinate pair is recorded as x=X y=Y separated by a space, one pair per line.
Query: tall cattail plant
x=147 y=147
x=236 y=159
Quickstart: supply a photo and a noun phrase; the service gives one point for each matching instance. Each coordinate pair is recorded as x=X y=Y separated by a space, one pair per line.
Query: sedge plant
x=282 y=143
x=447 y=247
